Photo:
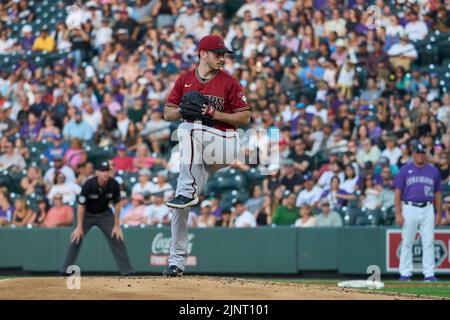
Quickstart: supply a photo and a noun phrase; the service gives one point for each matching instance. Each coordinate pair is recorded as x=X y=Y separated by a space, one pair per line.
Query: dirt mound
x=185 y=288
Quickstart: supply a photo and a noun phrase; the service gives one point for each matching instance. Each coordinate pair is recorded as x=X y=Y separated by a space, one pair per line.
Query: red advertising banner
x=441 y=251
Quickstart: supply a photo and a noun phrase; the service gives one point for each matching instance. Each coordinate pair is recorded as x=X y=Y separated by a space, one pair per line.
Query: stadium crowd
x=347 y=98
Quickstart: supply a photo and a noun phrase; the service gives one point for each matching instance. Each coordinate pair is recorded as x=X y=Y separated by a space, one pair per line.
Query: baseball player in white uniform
x=417 y=185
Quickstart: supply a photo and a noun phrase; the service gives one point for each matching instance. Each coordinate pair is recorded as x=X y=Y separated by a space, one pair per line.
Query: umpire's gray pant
x=105 y=221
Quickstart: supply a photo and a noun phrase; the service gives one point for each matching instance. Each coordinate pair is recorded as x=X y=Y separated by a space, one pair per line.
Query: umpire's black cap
x=418 y=147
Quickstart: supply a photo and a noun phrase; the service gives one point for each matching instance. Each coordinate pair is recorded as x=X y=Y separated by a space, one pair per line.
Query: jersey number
x=428 y=191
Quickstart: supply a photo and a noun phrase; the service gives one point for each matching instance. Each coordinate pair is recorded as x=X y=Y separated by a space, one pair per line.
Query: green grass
x=436 y=289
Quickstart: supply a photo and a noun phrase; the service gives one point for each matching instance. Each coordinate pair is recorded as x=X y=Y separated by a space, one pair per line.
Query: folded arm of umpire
x=172 y=113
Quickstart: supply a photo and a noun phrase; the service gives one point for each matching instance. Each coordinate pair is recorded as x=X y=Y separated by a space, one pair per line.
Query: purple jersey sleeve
x=399 y=180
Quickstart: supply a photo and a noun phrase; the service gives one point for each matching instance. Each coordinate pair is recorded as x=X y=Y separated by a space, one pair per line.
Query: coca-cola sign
x=161 y=244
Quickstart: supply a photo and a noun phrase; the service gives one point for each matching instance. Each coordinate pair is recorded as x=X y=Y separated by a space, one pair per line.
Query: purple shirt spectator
x=29 y=132
x=334 y=202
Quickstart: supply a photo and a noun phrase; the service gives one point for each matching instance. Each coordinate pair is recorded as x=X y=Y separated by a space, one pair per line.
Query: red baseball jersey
x=223 y=91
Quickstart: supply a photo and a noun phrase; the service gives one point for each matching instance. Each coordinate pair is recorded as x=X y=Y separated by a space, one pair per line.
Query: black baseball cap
x=419 y=147
x=103 y=166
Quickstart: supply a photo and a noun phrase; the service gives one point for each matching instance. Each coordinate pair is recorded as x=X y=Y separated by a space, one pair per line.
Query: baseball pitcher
x=212 y=104
x=417 y=185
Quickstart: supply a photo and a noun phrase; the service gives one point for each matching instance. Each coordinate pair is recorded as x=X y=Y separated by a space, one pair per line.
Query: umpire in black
x=94 y=210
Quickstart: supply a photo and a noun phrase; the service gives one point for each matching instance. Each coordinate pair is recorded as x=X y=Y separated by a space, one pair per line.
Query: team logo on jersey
x=217 y=102
x=187 y=85
x=242 y=96
x=410 y=171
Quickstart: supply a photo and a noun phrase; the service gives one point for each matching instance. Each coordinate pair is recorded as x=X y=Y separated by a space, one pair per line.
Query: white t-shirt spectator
x=103 y=36
x=349 y=185
x=166 y=188
x=68 y=173
x=325 y=178
x=69 y=191
x=187 y=20
x=310 y=223
x=93 y=119
x=392 y=155
x=309 y=197
x=416 y=30
x=156 y=214
x=407 y=50
x=139 y=188
x=246 y=219
x=16 y=160
x=332 y=219
x=322 y=113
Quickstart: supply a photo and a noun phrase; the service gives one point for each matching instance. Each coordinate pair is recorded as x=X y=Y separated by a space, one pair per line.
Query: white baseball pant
x=423 y=218
x=203 y=151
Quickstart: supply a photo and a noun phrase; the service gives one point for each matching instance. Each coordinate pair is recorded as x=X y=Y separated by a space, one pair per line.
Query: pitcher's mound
x=184 y=288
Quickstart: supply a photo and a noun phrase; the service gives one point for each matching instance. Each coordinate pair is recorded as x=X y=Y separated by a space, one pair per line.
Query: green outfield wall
x=281 y=250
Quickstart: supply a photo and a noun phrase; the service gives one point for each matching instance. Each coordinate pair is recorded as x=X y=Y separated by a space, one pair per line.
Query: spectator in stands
x=289 y=178
x=31 y=128
x=351 y=182
x=302 y=162
x=206 y=219
x=8 y=127
x=402 y=54
x=406 y=156
x=22 y=215
x=415 y=29
x=158 y=213
x=144 y=184
x=129 y=24
x=310 y=193
x=107 y=132
x=241 y=217
x=335 y=169
x=445 y=220
x=133 y=139
x=306 y=218
x=6 y=209
x=123 y=161
x=60 y=214
x=44 y=42
x=256 y=199
x=312 y=72
x=69 y=174
x=49 y=130
x=162 y=185
x=371 y=193
x=144 y=160
x=336 y=196
x=69 y=189
x=136 y=215
x=286 y=214
x=156 y=131
x=75 y=155
x=225 y=219
x=57 y=148
x=33 y=181
x=41 y=211
x=327 y=217
x=368 y=153
x=263 y=215
x=78 y=128
x=28 y=39
x=11 y=159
